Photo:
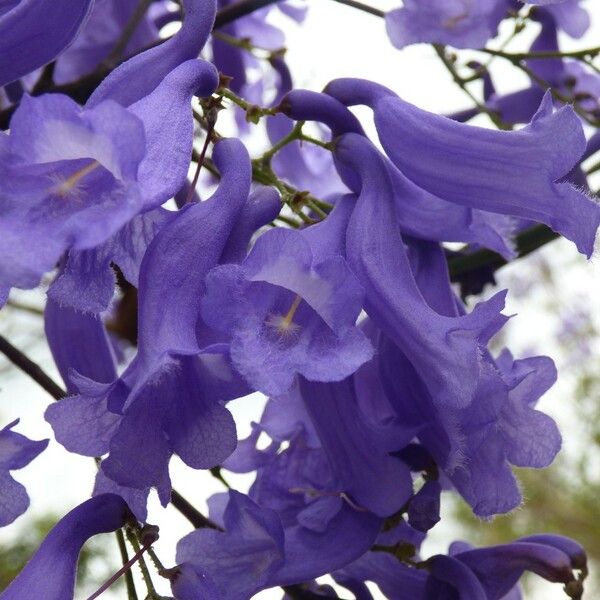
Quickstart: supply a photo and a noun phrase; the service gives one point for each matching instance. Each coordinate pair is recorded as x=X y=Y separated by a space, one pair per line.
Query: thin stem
x=33 y=310
x=253 y=112
x=593 y=169
x=217 y=474
x=462 y=83
x=247 y=45
x=311 y=140
x=124 y=569
x=292 y=136
x=129 y=583
x=32 y=369
x=518 y=56
x=157 y=562
x=526 y=242
x=210 y=127
x=119 y=48
x=139 y=551
x=556 y=94
x=191 y=513
x=363 y=7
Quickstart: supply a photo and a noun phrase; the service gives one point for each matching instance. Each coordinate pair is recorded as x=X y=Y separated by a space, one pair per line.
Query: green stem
x=311 y=140
x=247 y=45
x=253 y=112
x=129 y=583
x=152 y=593
x=518 y=56
x=292 y=136
x=556 y=94
x=462 y=84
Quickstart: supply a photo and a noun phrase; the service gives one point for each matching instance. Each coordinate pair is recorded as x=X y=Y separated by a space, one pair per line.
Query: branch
x=586 y=53
x=363 y=7
x=240 y=9
x=526 y=242
x=192 y=514
x=32 y=369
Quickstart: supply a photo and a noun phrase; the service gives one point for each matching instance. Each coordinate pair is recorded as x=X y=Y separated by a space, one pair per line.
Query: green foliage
x=98 y=559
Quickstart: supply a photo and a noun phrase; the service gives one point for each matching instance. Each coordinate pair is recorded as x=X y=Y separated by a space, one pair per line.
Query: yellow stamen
x=69 y=185
x=287 y=320
x=285 y=324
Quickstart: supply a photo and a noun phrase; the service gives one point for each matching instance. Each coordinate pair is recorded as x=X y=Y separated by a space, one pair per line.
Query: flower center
x=70 y=185
x=284 y=324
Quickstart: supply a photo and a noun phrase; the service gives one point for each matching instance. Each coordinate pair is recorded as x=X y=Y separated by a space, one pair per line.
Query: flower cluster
x=317 y=274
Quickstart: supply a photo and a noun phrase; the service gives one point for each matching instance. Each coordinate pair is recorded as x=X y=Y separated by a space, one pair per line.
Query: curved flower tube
x=137 y=77
x=516 y=173
x=445 y=350
x=50 y=573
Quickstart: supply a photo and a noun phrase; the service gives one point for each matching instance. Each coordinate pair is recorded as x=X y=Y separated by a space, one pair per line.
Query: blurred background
x=552 y=293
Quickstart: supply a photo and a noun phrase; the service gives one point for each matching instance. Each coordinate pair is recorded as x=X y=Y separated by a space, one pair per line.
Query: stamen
x=285 y=324
x=69 y=186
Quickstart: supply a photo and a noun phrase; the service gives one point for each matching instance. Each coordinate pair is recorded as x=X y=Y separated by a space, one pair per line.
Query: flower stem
x=129 y=583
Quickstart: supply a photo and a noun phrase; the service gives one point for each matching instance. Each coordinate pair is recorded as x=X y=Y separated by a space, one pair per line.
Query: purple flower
x=260 y=549
x=425 y=215
x=458 y=23
x=170 y=397
x=444 y=349
x=16 y=451
x=516 y=173
x=71 y=178
x=139 y=76
x=305 y=166
x=572 y=18
x=98 y=37
x=471 y=574
x=424 y=507
x=33 y=32
x=77 y=176
x=474 y=445
x=356 y=450
x=552 y=557
x=50 y=572
x=289 y=308
x=81 y=349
